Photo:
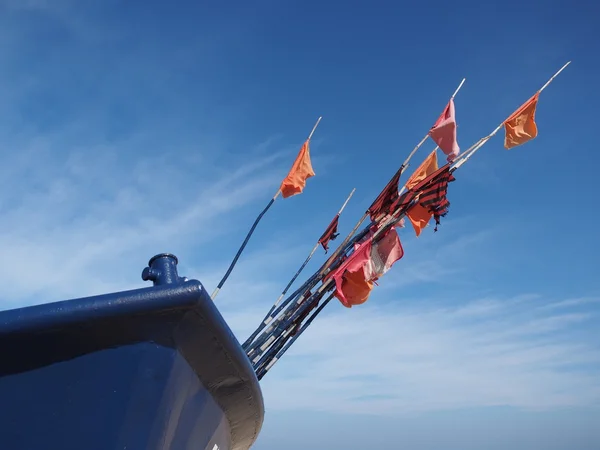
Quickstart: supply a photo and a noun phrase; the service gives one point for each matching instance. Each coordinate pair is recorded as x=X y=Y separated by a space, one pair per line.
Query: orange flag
x=426 y=168
x=419 y=217
x=355 y=278
x=352 y=287
x=301 y=170
x=520 y=127
x=356 y=289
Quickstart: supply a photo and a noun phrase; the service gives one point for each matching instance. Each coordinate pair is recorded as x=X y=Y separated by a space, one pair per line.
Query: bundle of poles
x=291 y=315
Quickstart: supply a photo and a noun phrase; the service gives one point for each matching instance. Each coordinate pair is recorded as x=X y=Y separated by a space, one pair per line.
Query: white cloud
x=101 y=169
x=406 y=359
x=404 y=353
x=65 y=234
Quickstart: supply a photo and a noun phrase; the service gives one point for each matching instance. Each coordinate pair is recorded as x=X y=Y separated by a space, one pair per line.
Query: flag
x=330 y=233
x=301 y=170
x=384 y=254
x=355 y=278
x=351 y=286
x=427 y=167
x=432 y=201
x=520 y=127
x=386 y=198
x=419 y=218
x=443 y=132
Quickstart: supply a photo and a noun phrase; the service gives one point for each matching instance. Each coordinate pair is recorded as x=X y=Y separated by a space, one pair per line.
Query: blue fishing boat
x=153 y=368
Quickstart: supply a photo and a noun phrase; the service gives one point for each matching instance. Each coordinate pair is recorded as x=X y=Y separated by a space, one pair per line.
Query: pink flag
x=443 y=132
x=383 y=255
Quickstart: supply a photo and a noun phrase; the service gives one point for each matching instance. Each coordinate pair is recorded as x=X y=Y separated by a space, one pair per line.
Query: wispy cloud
x=419 y=358
x=404 y=352
x=100 y=169
x=71 y=226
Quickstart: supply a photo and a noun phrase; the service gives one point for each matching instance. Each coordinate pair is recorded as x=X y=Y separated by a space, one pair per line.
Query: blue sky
x=133 y=128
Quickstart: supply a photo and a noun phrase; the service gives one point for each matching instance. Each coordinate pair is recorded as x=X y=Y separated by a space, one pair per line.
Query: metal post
x=162 y=269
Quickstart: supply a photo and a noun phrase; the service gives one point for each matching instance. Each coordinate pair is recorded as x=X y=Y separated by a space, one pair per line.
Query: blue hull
x=154 y=369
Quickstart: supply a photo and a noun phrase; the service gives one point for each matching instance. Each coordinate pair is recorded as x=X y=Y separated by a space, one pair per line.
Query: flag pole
x=309 y=256
x=264 y=342
x=362 y=219
x=326 y=266
x=269 y=316
x=335 y=254
x=401 y=170
x=455 y=165
x=471 y=150
x=404 y=186
x=254 y=225
x=262 y=372
x=427 y=135
x=554 y=76
x=481 y=142
x=466 y=155
x=267 y=365
x=314 y=128
x=342 y=246
x=458 y=88
x=436 y=147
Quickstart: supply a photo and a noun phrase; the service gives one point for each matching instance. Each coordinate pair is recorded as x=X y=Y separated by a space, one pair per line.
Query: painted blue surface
x=154 y=368
x=141 y=396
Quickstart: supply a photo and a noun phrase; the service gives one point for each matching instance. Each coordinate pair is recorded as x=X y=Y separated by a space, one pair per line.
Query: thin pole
x=454 y=166
x=314 y=128
x=243 y=246
x=401 y=170
x=466 y=155
x=427 y=135
x=554 y=76
x=342 y=246
x=453 y=95
x=325 y=267
x=481 y=142
x=266 y=367
x=341 y=210
x=404 y=186
x=458 y=88
x=285 y=348
x=274 y=343
x=471 y=150
x=254 y=225
x=309 y=256
x=274 y=311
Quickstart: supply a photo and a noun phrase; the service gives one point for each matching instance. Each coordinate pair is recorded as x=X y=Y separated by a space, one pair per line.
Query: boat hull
x=155 y=368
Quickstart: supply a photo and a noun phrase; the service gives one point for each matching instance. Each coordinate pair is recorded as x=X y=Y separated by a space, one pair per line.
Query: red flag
x=443 y=132
x=432 y=200
x=386 y=198
x=330 y=233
